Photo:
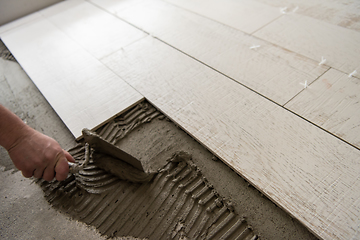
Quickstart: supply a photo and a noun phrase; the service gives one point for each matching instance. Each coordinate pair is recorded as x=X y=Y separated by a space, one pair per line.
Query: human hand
x=38 y=155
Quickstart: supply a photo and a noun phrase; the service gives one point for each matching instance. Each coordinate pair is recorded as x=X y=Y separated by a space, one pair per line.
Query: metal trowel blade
x=103 y=146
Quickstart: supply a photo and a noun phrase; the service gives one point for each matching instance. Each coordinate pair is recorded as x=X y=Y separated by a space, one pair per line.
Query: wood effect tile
x=305 y=170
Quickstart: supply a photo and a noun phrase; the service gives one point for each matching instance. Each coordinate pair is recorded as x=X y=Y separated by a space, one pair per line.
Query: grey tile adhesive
x=178 y=203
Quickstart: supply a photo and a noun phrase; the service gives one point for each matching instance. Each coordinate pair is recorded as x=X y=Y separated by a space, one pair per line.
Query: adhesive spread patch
x=179 y=203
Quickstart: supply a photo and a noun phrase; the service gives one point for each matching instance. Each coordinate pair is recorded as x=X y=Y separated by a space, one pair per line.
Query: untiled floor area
x=269 y=87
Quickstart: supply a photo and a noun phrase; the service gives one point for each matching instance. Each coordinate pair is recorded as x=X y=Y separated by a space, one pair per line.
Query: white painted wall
x=14 y=9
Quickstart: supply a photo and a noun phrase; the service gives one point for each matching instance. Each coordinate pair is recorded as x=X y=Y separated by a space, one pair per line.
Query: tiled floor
x=235 y=82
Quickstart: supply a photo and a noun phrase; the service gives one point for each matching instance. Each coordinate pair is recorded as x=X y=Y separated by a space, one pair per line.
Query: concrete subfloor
x=24 y=212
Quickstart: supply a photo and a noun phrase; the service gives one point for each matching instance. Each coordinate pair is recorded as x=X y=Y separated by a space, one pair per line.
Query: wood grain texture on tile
x=82 y=91
x=268 y=70
x=308 y=172
x=247 y=16
x=344 y=13
x=332 y=102
x=315 y=39
x=99 y=32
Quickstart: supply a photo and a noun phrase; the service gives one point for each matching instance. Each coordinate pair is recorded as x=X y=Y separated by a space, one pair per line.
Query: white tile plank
x=247 y=15
x=268 y=70
x=82 y=91
x=343 y=13
x=332 y=102
x=99 y=32
x=306 y=171
x=314 y=38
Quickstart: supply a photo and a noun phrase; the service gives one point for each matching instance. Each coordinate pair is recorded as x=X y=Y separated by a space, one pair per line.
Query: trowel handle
x=73 y=167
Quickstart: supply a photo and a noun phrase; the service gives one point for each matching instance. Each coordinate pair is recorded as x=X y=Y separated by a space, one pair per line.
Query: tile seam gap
x=123 y=80
x=100 y=59
x=358 y=148
x=267 y=24
x=284 y=105
x=346 y=73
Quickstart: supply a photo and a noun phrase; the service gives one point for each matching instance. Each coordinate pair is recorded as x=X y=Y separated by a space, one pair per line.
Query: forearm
x=11 y=128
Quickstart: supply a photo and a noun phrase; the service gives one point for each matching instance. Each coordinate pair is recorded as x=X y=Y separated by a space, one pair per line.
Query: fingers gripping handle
x=74 y=167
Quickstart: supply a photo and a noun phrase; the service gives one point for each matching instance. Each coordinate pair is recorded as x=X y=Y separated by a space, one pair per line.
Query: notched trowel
x=111 y=158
